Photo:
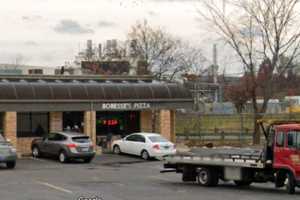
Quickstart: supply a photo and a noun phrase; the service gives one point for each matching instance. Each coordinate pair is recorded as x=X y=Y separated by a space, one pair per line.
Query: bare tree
x=165 y=55
x=259 y=31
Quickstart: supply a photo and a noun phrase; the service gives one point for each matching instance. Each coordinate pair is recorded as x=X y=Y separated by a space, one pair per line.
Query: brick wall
x=146 y=121
x=90 y=125
x=10 y=127
x=167 y=124
x=56 y=121
x=172 y=121
x=24 y=145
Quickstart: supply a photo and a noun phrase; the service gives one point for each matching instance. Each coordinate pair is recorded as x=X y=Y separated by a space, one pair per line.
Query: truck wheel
x=242 y=183
x=189 y=174
x=290 y=183
x=207 y=177
x=280 y=179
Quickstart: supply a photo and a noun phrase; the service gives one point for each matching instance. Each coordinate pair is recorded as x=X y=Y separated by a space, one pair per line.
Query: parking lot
x=114 y=177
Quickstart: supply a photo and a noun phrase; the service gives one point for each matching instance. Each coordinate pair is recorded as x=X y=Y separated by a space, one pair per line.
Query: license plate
x=85 y=149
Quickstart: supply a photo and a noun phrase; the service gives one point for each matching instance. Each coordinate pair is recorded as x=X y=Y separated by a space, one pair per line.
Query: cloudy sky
x=50 y=32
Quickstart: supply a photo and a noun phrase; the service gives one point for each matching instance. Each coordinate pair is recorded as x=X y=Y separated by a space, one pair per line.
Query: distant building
x=106 y=67
x=12 y=69
x=112 y=58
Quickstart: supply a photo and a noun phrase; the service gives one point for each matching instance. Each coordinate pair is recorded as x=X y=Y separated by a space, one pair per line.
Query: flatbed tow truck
x=277 y=162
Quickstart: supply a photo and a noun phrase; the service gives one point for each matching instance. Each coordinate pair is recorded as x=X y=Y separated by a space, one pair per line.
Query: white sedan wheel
x=145 y=155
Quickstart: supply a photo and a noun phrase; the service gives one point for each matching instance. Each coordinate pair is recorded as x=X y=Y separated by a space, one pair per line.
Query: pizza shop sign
x=125 y=106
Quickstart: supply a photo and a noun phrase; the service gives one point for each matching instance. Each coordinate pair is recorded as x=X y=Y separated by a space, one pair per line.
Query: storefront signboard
x=125 y=106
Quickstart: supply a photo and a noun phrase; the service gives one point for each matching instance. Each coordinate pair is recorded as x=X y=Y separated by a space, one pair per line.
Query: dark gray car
x=8 y=153
x=65 y=146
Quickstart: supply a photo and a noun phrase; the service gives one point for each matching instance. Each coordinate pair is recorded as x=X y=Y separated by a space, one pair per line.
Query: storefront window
x=73 y=121
x=117 y=123
x=32 y=124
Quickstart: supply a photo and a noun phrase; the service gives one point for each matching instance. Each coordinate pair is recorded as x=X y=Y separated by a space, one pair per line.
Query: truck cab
x=286 y=150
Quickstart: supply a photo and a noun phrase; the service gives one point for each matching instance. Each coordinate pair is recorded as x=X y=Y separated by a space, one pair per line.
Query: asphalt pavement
x=114 y=177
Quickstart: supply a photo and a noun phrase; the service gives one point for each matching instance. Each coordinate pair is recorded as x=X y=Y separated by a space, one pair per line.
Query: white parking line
x=54 y=187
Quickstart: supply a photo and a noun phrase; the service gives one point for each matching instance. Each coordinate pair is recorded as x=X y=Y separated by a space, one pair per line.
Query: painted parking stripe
x=55 y=187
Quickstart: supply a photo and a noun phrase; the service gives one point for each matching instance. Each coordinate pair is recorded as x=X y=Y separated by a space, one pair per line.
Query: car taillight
x=71 y=145
x=156 y=146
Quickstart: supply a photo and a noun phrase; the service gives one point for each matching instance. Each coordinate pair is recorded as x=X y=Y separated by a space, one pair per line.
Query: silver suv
x=8 y=153
x=65 y=146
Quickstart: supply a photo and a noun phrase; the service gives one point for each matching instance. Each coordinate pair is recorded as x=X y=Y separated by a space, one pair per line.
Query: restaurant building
x=99 y=106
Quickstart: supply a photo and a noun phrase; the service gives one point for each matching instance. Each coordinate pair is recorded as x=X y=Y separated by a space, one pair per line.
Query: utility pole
x=215 y=72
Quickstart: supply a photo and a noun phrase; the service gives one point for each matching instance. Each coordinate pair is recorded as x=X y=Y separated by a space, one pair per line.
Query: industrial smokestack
x=100 y=51
x=89 y=49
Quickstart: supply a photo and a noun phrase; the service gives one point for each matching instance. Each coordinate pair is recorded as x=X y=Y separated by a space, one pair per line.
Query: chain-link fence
x=231 y=129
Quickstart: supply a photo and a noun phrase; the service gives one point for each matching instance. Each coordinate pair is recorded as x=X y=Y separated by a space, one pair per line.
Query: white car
x=146 y=145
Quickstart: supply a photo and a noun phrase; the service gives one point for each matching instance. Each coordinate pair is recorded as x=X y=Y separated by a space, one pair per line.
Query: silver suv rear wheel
x=62 y=157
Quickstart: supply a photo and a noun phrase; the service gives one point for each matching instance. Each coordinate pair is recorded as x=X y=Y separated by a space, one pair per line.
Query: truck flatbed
x=235 y=157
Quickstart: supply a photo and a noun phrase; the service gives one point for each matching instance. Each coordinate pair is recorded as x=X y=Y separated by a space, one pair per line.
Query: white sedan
x=146 y=145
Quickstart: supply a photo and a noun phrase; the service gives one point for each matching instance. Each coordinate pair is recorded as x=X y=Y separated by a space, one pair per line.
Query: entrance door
x=279 y=149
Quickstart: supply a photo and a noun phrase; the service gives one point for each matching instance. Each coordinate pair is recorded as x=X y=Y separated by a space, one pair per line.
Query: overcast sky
x=50 y=32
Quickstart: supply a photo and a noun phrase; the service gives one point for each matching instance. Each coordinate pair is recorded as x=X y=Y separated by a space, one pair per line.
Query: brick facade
x=56 y=121
x=167 y=124
x=10 y=127
x=24 y=145
x=146 y=121
x=90 y=125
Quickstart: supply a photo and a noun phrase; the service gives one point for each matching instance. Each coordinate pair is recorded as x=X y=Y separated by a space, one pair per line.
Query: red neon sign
x=110 y=122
